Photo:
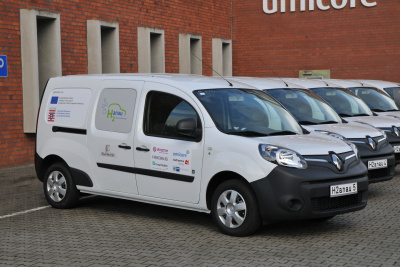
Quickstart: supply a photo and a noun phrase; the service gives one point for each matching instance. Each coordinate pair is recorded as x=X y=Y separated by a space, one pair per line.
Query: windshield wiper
x=381 y=110
x=307 y=123
x=392 y=110
x=247 y=133
x=361 y=115
x=328 y=122
x=345 y=115
x=283 y=133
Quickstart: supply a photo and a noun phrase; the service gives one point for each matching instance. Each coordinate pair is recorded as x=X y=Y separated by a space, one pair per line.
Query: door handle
x=145 y=149
x=124 y=146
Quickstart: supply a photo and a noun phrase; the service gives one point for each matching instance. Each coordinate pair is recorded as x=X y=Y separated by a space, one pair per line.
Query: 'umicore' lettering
x=271 y=6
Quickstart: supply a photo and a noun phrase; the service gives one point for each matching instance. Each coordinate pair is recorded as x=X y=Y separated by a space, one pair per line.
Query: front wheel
x=59 y=187
x=234 y=208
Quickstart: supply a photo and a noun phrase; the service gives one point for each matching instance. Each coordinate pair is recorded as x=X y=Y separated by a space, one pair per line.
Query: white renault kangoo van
x=379 y=101
x=192 y=142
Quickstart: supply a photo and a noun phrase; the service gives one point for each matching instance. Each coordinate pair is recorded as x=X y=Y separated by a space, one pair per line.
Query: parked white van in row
x=191 y=142
x=390 y=88
x=352 y=108
x=314 y=114
x=377 y=100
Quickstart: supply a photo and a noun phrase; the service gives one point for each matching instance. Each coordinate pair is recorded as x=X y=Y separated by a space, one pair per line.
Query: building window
x=222 y=57
x=151 y=51
x=190 y=54
x=103 y=47
x=41 y=58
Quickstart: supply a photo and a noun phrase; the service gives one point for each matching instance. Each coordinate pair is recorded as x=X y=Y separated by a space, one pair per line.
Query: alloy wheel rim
x=231 y=208
x=56 y=186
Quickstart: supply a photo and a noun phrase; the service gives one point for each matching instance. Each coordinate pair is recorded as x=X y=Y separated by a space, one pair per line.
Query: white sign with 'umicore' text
x=271 y=6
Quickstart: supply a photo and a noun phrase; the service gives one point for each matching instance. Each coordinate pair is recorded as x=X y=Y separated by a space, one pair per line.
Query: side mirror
x=187 y=127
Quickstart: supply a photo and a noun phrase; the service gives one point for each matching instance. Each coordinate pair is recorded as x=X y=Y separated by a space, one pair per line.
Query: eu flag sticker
x=54 y=100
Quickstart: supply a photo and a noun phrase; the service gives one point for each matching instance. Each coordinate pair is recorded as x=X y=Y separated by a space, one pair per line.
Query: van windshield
x=375 y=99
x=344 y=102
x=307 y=107
x=394 y=92
x=247 y=112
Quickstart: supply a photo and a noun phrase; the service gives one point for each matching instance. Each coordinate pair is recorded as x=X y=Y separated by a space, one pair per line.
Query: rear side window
x=163 y=111
x=115 y=110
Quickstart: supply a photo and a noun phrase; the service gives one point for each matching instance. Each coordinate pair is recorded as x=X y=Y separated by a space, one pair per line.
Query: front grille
x=396 y=156
x=319 y=204
x=378 y=173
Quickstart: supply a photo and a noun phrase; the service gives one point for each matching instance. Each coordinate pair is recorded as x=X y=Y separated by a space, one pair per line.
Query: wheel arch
x=218 y=179
x=46 y=163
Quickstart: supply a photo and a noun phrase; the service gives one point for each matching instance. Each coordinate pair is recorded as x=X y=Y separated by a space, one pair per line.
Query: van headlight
x=383 y=133
x=354 y=148
x=282 y=156
x=336 y=135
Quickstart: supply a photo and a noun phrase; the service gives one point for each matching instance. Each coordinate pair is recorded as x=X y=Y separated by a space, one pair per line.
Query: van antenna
x=273 y=72
x=350 y=76
x=230 y=84
x=322 y=80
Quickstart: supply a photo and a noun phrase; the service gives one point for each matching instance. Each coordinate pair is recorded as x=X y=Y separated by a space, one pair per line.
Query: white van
x=191 y=142
x=352 y=108
x=377 y=100
x=314 y=114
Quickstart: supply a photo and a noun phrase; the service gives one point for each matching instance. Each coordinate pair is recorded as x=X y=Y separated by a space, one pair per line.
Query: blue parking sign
x=3 y=66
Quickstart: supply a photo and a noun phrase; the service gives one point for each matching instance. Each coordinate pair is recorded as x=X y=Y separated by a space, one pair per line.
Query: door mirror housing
x=188 y=127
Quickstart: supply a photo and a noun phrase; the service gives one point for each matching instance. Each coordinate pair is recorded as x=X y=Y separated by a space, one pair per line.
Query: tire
x=59 y=187
x=234 y=208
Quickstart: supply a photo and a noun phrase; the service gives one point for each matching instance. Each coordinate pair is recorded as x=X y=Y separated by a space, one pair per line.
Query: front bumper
x=294 y=194
x=383 y=150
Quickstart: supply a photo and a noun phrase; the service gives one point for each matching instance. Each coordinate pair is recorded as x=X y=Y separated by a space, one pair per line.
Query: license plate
x=377 y=164
x=396 y=149
x=343 y=189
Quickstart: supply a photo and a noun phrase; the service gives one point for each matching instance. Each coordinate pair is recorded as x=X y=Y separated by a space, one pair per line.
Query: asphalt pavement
x=104 y=231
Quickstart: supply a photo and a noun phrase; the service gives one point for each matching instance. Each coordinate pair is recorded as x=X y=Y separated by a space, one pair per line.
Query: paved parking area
x=111 y=232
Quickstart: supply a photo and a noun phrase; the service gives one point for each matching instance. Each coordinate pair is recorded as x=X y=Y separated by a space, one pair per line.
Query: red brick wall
x=360 y=42
x=209 y=19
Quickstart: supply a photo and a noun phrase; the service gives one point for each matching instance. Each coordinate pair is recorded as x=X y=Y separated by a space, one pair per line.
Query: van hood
x=310 y=144
x=376 y=121
x=349 y=130
x=395 y=114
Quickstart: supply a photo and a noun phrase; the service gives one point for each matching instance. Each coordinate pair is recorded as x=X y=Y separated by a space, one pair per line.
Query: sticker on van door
x=173 y=160
x=68 y=107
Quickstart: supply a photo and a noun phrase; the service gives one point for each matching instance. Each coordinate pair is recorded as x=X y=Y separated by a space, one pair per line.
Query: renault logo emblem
x=396 y=131
x=337 y=162
x=371 y=142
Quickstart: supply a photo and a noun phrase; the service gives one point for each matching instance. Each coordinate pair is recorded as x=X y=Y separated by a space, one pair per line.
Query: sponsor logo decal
x=186 y=162
x=176 y=169
x=52 y=115
x=160 y=150
x=107 y=152
x=159 y=158
x=114 y=111
x=178 y=154
x=54 y=100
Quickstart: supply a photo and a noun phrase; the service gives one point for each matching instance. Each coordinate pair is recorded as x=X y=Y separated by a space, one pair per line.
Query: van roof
x=310 y=83
x=380 y=84
x=186 y=82
x=265 y=83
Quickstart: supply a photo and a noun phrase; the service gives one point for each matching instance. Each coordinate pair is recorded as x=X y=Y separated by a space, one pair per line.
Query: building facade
x=42 y=39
